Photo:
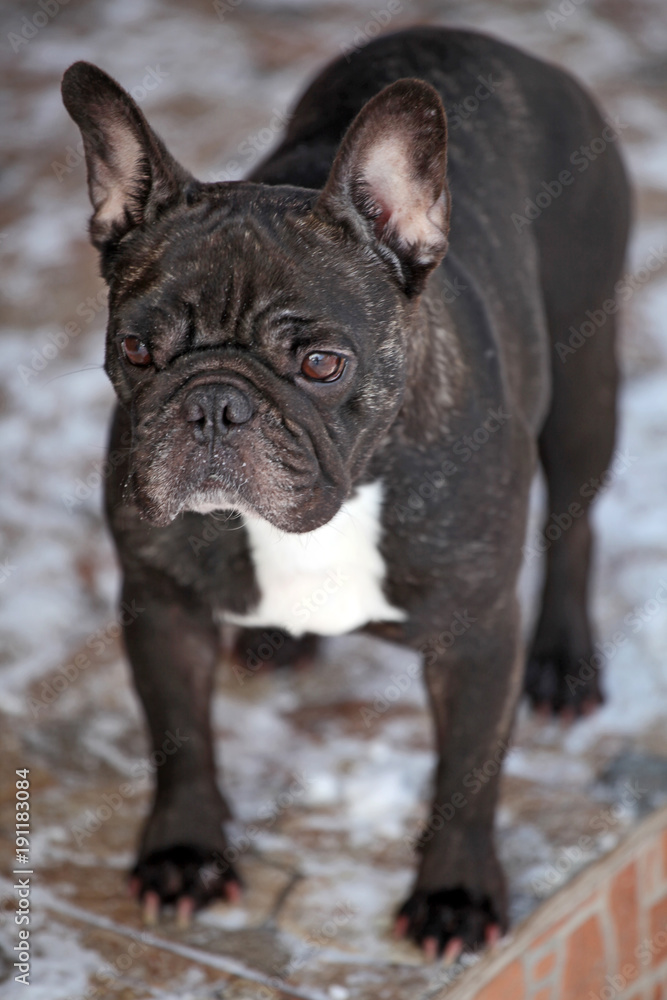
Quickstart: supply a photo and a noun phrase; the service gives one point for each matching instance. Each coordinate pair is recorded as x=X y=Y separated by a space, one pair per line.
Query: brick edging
x=566 y=905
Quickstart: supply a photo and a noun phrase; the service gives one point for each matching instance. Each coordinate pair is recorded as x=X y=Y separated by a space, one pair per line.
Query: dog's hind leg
x=576 y=446
x=582 y=254
x=255 y=649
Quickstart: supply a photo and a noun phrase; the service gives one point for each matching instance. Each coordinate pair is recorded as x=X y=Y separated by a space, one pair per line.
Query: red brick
x=508 y=985
x=542 y=995
x=544 y=967
x=548 y=936
x=659 y=932
x=664 y=855
x=651 y=866
x=584 y=961
x=625 y=914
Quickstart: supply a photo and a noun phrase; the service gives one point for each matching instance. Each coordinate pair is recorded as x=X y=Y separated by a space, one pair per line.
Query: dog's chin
x=293 y=520
x=209 y=502
x=285 y=516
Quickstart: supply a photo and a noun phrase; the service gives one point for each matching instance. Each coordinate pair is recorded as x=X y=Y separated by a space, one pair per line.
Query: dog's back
x=456 y=364
x=540 y=195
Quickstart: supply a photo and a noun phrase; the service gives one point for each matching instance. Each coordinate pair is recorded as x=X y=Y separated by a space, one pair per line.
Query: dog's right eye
x=136 y=351
x=323 y=366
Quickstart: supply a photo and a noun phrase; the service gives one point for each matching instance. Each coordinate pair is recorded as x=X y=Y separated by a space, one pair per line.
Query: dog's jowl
x=338 y=378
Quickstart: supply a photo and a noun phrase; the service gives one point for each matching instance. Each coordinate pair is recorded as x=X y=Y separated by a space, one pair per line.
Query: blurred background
x=217 y=81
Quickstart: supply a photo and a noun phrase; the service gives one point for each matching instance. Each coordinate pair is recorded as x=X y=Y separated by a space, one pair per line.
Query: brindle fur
x=204 y=273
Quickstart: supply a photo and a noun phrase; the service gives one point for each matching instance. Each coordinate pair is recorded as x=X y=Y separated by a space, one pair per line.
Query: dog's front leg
x=473 y=681
x=173 y=648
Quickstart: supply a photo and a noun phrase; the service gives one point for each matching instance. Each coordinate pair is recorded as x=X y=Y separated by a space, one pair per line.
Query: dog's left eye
x=323 y=366
x=136 y=351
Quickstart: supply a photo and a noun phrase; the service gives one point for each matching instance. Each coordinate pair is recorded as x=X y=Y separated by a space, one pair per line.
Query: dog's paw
x=185 y=876
x=448 y=921
x=558 y=683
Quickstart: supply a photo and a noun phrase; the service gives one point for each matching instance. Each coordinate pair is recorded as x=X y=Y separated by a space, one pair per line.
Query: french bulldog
x=338 y=377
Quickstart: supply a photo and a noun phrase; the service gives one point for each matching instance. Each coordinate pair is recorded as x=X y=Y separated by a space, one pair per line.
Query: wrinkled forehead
x=205 y=243
x=241 y=262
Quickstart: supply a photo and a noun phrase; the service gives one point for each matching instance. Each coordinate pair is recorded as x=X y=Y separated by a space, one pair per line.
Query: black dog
x=315 y=350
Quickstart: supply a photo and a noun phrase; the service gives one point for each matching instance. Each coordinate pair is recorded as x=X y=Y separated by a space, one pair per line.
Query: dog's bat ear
x=131 y=176
x=389 y=178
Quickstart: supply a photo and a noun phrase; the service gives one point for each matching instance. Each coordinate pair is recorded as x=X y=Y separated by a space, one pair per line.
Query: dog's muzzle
x=214 y=409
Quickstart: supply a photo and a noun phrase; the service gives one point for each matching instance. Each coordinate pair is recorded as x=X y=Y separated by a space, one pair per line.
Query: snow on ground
x=216 y=83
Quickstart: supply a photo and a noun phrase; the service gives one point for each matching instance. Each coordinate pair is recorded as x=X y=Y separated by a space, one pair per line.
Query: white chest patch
x=327 y=581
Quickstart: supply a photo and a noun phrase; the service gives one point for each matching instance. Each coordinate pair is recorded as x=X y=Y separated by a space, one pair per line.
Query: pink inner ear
x=381 y=220
x=112 y=181
x=407 y=203
x=386 y=174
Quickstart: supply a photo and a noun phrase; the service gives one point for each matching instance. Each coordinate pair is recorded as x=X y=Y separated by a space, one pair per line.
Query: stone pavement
x=333 y=795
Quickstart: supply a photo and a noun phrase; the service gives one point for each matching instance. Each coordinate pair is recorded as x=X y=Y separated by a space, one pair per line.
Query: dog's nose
x=214 y=409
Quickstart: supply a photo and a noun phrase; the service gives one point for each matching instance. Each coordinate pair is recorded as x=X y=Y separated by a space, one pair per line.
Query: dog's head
x=259 y=335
